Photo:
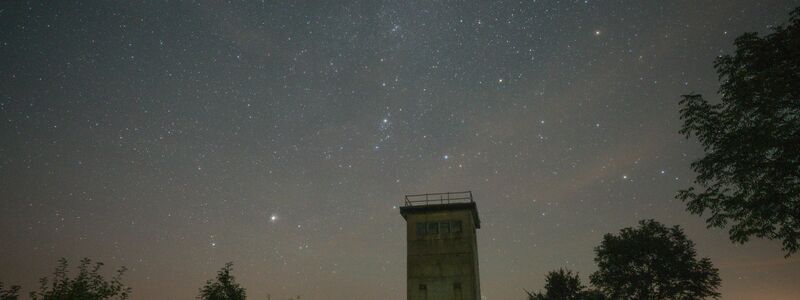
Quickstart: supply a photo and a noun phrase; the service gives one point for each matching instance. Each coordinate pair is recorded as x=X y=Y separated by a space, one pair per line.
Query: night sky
x=172 y=137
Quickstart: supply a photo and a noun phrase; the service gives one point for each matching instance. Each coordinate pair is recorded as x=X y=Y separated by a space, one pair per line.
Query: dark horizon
x=171 y=138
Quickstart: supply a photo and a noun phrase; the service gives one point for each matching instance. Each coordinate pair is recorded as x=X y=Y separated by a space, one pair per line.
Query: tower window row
x=441 y=227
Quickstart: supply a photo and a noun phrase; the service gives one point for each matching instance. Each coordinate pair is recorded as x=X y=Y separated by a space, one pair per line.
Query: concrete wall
x=446 y=263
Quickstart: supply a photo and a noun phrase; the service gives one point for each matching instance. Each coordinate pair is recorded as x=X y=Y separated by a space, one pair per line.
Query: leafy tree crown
x=223 y=287
x=88 y=284
x=749 y=178
x=653 y=262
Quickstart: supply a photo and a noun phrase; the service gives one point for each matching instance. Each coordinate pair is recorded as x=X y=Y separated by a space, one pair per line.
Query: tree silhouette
x=12 y=293
x=224 y=287
x=653 y=262
x=562 y=285
x=750 y=174
x=87 y=285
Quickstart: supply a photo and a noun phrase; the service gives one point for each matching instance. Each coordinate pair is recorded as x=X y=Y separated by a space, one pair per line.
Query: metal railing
x=439 y=198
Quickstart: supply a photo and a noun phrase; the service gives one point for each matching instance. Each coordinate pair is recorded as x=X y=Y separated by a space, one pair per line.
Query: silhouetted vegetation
x=649 y=262
x=12 y=293
x=750 y=175
x=223 y=288
x=653 y=262
x=563 y=285
x=87 y=285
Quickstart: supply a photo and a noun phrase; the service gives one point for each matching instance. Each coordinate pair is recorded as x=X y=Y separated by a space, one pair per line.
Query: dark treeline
x=651 y=261
x=89 y=284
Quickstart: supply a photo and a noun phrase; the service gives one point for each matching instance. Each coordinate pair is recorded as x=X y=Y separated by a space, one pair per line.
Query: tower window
x=444 y=227
x=423 y=287
x=433 y=228
x=456 y=226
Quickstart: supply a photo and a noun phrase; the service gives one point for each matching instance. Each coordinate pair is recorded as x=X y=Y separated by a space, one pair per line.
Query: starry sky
x=173 y=136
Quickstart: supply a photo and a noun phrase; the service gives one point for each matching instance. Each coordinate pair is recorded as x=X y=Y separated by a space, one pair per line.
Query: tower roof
x=440 y=202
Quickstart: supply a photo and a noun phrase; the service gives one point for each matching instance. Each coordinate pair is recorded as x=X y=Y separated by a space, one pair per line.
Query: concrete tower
x=442 y=247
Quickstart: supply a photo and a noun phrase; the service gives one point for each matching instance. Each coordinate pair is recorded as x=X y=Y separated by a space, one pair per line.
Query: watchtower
x=441 y=235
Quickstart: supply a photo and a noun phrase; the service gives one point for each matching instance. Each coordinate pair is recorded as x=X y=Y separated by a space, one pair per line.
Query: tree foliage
x=87 y=285
x=563 y=285
x=12 y=293
x=224 y=287
x=749 y=177
x=653 y=262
